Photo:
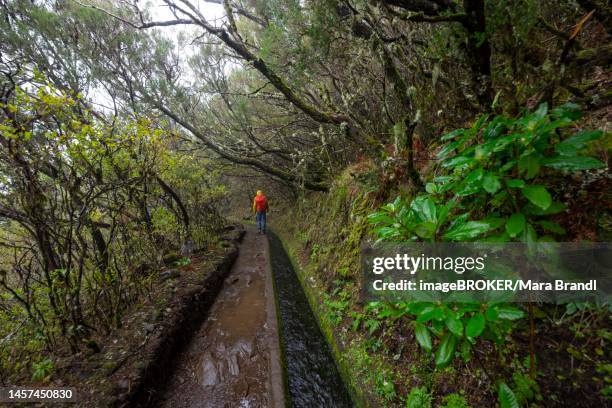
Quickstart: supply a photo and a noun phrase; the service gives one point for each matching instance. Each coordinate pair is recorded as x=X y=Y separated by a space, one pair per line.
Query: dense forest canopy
x=262 y=87
x=123 y=124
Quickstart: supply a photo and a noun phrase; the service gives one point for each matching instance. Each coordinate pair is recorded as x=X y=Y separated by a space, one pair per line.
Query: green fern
x=42 y=369
x=454 y=401
x=506 y=397
x=419 y=397
x=525 y=388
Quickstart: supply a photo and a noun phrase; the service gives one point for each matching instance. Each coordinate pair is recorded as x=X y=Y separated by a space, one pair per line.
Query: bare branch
x=142 y=25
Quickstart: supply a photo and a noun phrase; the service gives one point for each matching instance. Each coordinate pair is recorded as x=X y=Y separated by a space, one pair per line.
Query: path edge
x=156 y=366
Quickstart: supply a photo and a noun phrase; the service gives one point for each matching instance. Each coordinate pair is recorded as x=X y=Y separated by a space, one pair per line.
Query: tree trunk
x=479 y=50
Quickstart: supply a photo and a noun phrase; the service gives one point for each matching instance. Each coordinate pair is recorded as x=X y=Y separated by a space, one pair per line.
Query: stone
x=169 y=274
x=187 y=247
x=149 y=327
x=170 y=258
x=209 y=371
x=123 y=385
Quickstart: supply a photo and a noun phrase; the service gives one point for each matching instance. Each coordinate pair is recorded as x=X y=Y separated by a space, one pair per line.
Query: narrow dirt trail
x=233 y=360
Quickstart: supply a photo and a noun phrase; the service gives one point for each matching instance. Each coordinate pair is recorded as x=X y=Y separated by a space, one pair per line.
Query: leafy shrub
x=525 y=388
x=42 y=369
x=496 y=163
x=183 y=261
x=494 y=189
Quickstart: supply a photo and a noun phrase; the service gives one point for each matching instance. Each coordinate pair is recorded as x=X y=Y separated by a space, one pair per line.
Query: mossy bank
x=324 y=247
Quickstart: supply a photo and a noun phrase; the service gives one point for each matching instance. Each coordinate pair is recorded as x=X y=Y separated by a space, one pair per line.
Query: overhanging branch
x=234 y=158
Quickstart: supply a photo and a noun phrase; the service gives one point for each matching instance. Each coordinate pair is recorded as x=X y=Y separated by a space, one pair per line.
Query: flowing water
x=312 y=377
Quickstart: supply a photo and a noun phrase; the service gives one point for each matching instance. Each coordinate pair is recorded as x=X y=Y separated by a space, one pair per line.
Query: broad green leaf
x=532 y=121
x=507 y=312
x=433 y=314
x=502 y=143
x=509 y=165
x=479 y=123
x=529 y=164
x=425 y=229
x=387 y=232
x=424 y=312
x=494 y=222
x=475 y=326
x=418 y=308
x=491 y=183
x=568 y=110
x=443 y=212
x=515 y=224
x=474 y=176
x=424 y=208
x=443 y=179
x=506 y=397
x=468 y=307
x=422 y=336
x=471 y=183
x=552 y=227
x=459 y=219
x=573 y=163
x=431 y=188
x=454 y=324
x=446 y=350
x=446 y=150
x=380 y=217
x=555 y=208
x=573 y=144
x=437 y=328
x=495 y=128
x=529 y=234
x=556 y=124
x=458 y=161
x=515 y=183
x=538 y=195
x=541 y=111
x=467 y=230
x=491 y=314
x=454 y=133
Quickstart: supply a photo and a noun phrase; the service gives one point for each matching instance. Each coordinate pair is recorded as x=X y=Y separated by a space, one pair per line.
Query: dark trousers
x=260 y=217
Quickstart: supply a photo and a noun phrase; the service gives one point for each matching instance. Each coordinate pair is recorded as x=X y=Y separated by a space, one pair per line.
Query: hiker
x=260 y=207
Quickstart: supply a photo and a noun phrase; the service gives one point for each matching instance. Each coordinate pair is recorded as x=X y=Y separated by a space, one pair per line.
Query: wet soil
x=228 y=361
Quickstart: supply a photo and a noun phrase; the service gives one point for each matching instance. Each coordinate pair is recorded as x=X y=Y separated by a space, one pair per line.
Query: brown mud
x=233 y=359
